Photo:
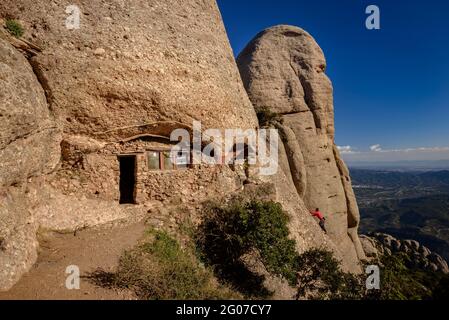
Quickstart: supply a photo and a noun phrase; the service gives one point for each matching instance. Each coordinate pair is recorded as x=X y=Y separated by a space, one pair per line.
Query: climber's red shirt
x=318 y=214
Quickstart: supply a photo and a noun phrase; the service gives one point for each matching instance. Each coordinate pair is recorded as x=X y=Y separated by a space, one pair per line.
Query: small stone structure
x=139 y=170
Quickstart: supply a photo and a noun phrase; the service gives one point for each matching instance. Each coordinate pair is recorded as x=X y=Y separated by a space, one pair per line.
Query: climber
x=320 y=216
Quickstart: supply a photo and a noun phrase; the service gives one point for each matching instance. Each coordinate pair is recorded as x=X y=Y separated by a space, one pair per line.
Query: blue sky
x=391 y=85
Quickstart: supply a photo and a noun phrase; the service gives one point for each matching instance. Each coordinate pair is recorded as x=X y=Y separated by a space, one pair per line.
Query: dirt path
x=89 y=250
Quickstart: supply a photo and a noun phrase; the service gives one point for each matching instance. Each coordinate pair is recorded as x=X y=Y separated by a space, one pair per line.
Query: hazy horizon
x=405 y=165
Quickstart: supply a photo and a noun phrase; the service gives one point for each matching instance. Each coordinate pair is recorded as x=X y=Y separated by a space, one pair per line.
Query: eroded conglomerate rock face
x=135 y=71
x=283 y=70
x=132 y=73
x=27 y=133
x=135 y=62
x=29 y=147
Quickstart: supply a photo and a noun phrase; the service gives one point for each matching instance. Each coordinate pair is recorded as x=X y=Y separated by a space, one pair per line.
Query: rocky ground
x=89 y=250
x=378 y=244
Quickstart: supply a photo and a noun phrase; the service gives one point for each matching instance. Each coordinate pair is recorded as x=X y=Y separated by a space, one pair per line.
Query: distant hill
x=438 y=180
x=408 y=205
x=437 y=165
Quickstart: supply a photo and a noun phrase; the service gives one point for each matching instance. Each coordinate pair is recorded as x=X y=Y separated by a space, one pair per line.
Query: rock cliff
x=134 y=62
x=29 y=147
x=283 y=70
x=132 y=68
x=74 y=101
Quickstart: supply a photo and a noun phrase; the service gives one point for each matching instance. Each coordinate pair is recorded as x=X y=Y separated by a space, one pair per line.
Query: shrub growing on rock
x=14 y=27
x=320 y=277
x=401 y=282
x=267 y=117
x=441 y=291
x=159 y=269
x=230 y=232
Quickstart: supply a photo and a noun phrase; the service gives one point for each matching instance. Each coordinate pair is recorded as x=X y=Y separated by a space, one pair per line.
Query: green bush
x=230 y=232
x=160 y=269
x=320 y=277
x=400 y=282
x=14 y=27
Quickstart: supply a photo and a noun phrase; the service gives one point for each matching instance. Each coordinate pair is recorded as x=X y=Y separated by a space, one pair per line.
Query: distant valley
x=406 y=204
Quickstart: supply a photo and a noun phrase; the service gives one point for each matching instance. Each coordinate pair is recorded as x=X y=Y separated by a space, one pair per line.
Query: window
x=154 y=161
x=182 y=159
x=166 y=160
x=167 y=163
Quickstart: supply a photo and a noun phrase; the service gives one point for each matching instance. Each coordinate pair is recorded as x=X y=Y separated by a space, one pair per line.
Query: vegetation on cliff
x=231 y=232
x=228 y=233
x=14 y=27
x=212 y=264
x=399 y=281
x=160 y=269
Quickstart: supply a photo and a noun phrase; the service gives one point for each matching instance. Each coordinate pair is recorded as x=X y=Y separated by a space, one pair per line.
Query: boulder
x=418 y=255
x=412 y=244
x=370 y=247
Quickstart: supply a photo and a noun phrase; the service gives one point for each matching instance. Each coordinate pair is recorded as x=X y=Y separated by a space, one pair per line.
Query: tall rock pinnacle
x=283 y=69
